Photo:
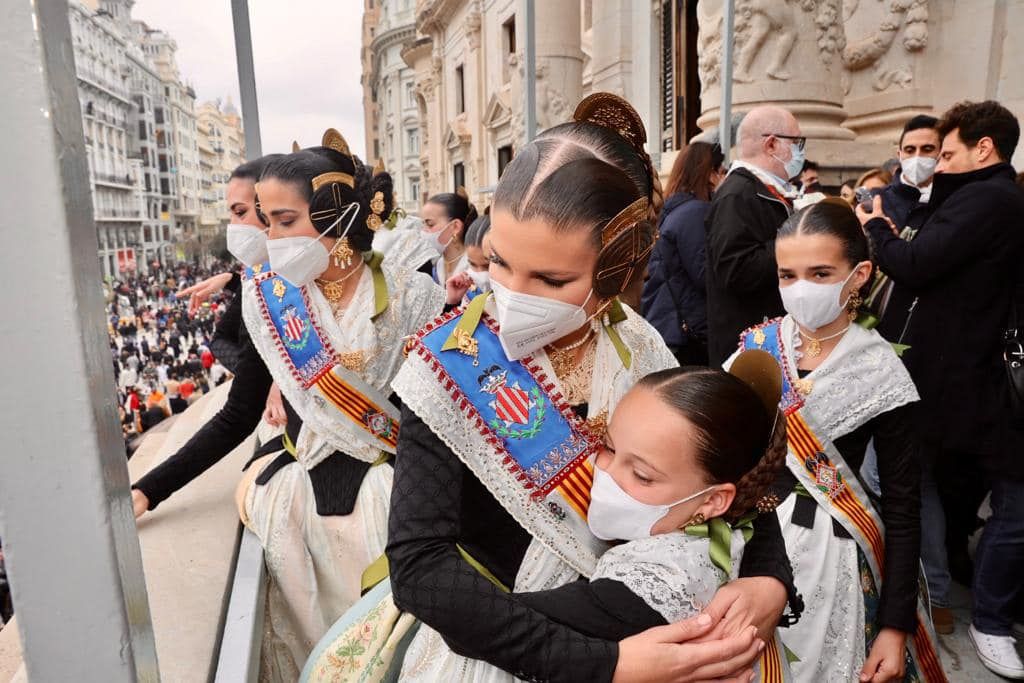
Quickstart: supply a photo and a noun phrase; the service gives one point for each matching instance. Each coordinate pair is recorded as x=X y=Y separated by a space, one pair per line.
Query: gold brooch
x=279 y=289
x=377 y=203
x=767 y=503
x=353 y=360
x=466 y=344
x=373 y=222
x=804 y=386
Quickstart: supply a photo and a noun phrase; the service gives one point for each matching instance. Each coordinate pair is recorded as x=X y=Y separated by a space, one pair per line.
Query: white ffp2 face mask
x=917 y=170
x=529 y=322
x=813 y=304
x=614 y=515
x=301 y=259
x=434 y=239
x=247 y=243
x=481 y=279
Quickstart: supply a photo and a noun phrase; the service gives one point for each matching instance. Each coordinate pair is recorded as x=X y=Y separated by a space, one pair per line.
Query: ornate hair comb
x=333 y=140
x=614 y=113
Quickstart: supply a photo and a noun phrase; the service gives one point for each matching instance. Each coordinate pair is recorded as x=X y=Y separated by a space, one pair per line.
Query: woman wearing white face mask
x=446 y=217
x=505 y=404
x=855 y=558
x=204 y=451
x=476 y=279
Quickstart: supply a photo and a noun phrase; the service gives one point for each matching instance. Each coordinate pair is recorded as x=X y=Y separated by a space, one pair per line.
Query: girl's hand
x=756 y=600
x=201 y=291
x=274 y=412
x=669 y=653
x=887 y=659
x=456 y=288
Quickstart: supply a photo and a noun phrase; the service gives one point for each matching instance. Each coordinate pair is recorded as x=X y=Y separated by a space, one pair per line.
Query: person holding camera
x=964 y=267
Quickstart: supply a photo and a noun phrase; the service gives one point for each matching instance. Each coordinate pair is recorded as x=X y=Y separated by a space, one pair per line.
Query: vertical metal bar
x=69 y=534
x=725 y=112
x=246 y=79
x=530 y=76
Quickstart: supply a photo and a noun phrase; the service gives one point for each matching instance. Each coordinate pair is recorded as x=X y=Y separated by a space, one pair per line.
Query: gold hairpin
x=623 y=220
x=333 y=177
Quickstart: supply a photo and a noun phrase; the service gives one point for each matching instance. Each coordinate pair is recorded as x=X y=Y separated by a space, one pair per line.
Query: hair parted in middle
x=330 y=178
x=592 y=174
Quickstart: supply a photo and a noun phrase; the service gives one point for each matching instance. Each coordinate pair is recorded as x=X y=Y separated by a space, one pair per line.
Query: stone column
x=559 y=61
x=611 y=60
x=786 y=52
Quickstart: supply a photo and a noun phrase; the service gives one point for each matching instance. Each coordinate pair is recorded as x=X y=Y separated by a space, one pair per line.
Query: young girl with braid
x=689 y=455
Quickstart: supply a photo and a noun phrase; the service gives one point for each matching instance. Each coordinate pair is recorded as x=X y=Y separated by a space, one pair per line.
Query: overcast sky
x=306 y=55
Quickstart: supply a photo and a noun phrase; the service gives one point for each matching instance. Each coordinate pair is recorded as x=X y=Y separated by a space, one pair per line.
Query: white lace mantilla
x=413 y=300
x=861 y=379
x=672 y=573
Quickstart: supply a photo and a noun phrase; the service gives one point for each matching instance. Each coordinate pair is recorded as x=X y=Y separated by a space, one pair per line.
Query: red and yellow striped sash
x=361 y=410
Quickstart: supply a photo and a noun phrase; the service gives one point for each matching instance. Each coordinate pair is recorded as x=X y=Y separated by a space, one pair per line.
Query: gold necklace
x=574 y=375
x=334 y=289
x=562 y=358
x=814 y=345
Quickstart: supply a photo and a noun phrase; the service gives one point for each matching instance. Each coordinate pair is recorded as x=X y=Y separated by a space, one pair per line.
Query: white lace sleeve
x=672 y=573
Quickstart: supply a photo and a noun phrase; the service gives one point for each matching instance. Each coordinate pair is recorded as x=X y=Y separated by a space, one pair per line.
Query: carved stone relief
x=874 y=50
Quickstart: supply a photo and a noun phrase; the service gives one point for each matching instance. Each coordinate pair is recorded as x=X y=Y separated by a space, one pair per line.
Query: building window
x=459 y=175
x=414 y=190
x=412 y=141
x=504 y=157
x=460 y=89
x=376 y=149
x=410 y=100
x=508 y=33
x=142 y=130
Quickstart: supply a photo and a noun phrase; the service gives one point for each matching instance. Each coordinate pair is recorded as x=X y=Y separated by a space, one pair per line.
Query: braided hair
x=738 y=441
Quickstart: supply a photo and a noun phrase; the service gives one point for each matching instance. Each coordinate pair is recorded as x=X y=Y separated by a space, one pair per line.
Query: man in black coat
x=745 y=215
x=905 y=201
x=964 y=266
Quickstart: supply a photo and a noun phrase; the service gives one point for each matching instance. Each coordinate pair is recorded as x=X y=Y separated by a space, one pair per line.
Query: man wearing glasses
x=746 y=212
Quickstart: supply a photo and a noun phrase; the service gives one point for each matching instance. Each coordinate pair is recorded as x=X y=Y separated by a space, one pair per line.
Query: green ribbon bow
x=720 y=533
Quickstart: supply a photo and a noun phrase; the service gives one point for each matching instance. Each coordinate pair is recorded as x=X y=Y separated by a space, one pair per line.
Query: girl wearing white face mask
x=855 y=558
x=329 y=329
x=689 y=456
x=476 y=279
x=445 y=220
x=506 y=401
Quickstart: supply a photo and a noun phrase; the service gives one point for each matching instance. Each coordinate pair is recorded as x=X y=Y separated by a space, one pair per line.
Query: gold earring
x=342 y=253
x=695 y=520
x=853 y=305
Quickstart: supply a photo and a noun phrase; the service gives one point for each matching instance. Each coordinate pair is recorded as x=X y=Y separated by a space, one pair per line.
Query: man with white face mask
x=905 y=201
x=747 y=210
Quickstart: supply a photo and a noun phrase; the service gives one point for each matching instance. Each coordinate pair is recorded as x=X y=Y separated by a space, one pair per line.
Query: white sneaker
x=997 y=653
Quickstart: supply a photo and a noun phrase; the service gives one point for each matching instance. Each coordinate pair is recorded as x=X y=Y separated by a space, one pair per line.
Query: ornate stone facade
x=853 y=71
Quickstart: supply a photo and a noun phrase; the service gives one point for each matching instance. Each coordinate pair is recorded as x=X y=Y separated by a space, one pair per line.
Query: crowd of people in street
x=161 y=341
x=605 y=430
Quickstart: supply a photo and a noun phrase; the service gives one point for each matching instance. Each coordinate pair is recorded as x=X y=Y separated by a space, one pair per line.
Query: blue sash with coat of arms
x=517 y=411
x=315 y=365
